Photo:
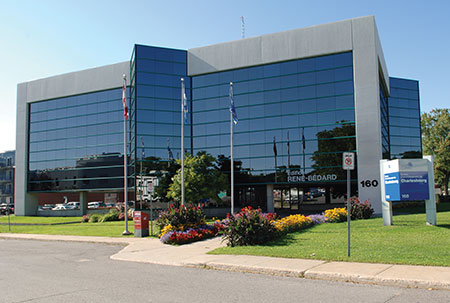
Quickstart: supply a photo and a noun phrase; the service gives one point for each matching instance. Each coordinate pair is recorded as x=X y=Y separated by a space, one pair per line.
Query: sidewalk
x=148 y=250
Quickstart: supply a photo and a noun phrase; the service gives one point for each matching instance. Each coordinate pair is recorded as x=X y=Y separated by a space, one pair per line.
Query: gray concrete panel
x=85 y=81
x=20 y=175
x=293 y=44
x=367 y=109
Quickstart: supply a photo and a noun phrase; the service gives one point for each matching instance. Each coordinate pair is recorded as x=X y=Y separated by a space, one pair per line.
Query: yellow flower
x=336 y=214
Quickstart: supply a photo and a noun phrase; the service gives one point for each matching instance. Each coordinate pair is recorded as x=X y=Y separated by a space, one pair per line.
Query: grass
x=39 y=220
x=408 y=241
x=106 y=229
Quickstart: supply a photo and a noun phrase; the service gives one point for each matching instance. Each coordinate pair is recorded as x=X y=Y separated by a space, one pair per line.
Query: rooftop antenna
x=242 y=27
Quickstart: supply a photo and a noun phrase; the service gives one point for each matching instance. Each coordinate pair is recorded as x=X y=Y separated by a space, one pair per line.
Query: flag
x=303 y=139
x=274 y=147
x=169 y=151
x=185 y=106
x=124 y=101
x=232 y=108
x=143 y=148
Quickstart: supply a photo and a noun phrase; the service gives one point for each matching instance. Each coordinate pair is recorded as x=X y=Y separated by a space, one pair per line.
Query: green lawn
x=39 y=220
x=408 y=241
x=106 y=229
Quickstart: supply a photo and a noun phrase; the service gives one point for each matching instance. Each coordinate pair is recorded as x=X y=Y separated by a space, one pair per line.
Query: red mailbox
x=141 y=224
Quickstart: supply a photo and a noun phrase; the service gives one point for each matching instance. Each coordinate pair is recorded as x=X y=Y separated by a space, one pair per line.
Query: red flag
x=124 y=102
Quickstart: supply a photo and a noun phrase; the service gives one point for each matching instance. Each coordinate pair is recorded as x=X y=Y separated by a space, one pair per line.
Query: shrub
x=360 y=210
x=249 y=227
x=113 y=215
x=292 y=223
x=336 y=215
x=95 y=218
x=181 y=218
x=130 y=215
x=85 y=219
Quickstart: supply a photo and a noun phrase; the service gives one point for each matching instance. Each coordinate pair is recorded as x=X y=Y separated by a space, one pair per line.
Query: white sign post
x=348 y=163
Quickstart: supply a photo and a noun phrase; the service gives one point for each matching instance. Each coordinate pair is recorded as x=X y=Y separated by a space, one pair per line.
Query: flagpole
x=141 y=188
x=275 y=154
x=231 y=154
x=182 y=141
x=289 y=152
x=125 y=155
x=303 y=149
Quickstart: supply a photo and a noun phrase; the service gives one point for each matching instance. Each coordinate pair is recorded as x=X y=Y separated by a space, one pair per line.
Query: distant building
x=303 y=97
x=7 y=177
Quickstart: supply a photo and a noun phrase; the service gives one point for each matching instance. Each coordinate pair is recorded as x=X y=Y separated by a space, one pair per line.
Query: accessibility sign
x=348 y=161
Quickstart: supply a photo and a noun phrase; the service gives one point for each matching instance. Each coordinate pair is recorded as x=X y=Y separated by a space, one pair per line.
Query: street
x=45 y=271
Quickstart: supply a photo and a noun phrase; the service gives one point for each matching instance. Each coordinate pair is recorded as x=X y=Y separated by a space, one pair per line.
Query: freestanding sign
x=348 y=163
x=406 y=180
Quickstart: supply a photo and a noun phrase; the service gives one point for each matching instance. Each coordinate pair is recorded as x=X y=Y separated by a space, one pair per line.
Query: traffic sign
x=348 y=161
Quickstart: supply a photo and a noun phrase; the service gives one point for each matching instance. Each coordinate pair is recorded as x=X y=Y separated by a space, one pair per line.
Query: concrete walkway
x=148 y=250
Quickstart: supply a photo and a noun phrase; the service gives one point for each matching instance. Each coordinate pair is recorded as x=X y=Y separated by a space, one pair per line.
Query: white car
x=59 y=207
x=92 y=205
x=73 y=205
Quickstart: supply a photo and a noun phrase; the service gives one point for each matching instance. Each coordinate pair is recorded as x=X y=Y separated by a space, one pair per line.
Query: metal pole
x=348 y=212
x=141 y=183
x=9 y=219
x=151 y=214
x=125 y=173
x=182 y=141
x=232 y=161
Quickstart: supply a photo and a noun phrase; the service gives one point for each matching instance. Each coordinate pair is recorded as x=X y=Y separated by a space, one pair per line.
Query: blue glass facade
x=404 y=119
x=303 y=109
x=76 y=142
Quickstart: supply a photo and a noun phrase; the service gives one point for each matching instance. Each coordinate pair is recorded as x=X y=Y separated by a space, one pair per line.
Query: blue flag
x=185 y=106
x=170 y=153
x=232 y=108
x=143 y=148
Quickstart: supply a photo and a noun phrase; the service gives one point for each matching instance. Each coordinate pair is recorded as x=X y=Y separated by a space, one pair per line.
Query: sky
x=42 y=38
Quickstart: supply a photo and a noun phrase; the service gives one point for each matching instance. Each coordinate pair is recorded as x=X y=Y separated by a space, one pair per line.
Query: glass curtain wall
x=156 y=107
x=76 y=143
x=404 y=119
x=296 y=118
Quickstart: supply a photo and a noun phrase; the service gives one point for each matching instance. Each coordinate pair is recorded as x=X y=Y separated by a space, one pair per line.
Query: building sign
x=297 y=176
x=406 y=180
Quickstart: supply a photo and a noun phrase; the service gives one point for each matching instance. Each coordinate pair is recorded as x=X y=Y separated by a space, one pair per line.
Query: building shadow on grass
x=444 y=225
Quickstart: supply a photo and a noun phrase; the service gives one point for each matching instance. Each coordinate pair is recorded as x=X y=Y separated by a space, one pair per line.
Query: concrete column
x=269 y=194
x=30 y=205
x=386 y=206
x=430 y=204
x=83 y=202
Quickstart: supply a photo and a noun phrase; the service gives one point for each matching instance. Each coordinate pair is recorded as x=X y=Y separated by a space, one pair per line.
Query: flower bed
x=191 y=235
x=248 y=227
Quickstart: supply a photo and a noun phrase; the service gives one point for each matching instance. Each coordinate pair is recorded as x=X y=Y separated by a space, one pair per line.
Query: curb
x=316 y=271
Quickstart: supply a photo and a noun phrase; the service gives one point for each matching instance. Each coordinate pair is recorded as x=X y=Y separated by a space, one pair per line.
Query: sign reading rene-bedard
x=297 y=176
x=406 y=179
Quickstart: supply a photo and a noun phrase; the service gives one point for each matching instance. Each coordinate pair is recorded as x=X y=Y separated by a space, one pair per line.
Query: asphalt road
x=40 y=271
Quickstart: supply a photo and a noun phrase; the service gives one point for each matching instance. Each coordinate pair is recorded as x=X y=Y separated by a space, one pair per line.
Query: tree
x=202 y=179
x=436 y=142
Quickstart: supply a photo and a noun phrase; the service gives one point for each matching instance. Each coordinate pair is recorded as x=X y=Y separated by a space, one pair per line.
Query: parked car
x=73 y=205
x=96 y=204
x=48 y=206
x=60 y=207
x=5 y=208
